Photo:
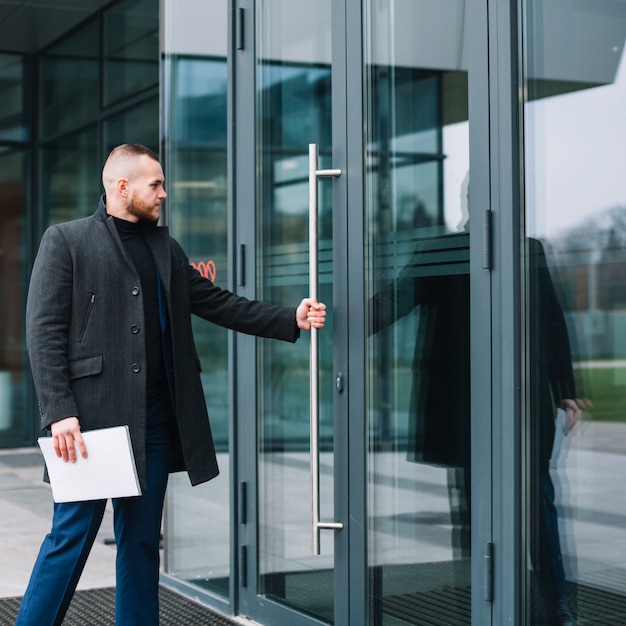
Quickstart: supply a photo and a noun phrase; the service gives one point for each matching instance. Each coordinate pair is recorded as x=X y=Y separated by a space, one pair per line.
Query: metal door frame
x=506 y=190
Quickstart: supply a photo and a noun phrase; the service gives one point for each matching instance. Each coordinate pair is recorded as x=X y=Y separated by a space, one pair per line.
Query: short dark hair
x=134 y=149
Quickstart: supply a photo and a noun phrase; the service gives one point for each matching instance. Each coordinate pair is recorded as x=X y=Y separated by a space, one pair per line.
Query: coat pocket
x=85 y=366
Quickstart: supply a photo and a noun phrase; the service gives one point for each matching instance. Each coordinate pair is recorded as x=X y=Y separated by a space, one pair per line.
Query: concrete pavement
x=26 y=505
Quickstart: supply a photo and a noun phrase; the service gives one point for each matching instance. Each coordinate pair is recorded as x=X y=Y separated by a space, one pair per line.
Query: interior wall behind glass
x=71 y=176
x=131 y=49
x=13 y=268
x=77 y=128
x=69 y=80
x=139 y=124
x=13 y=117
x=60 y=90
x=197 y=546
x=575 y=289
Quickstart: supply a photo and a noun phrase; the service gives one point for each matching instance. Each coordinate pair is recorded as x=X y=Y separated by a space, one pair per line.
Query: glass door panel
x=198 y=523
x=293 y=106
x=418 y=322
x=575 y=300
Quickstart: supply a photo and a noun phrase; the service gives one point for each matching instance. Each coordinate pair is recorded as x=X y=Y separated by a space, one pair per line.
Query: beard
x=144 y=211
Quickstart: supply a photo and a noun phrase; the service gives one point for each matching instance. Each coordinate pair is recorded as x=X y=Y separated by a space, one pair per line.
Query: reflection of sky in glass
x=455 y=174
x=455 y=139
x=198 y=77
x=575 y=156
x=271 y=74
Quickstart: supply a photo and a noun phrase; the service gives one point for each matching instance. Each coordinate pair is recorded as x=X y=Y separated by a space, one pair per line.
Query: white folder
x=561 y=444
x=108 y=471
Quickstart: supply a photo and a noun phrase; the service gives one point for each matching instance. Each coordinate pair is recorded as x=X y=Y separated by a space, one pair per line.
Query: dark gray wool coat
x=84 y=319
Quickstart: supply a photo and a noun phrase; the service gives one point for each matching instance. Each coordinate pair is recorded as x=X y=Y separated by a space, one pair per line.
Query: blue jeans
x=137 y=524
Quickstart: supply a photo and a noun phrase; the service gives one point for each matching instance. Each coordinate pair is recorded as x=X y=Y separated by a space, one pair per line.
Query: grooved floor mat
x=96 y=607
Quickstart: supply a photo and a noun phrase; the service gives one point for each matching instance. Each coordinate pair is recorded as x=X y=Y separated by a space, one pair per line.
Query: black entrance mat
x=96 y=607
x=442 y=607
x=447 y=606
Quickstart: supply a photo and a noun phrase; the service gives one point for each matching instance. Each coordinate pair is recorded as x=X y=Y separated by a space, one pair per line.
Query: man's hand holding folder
x=108 y=472
x=64 y=433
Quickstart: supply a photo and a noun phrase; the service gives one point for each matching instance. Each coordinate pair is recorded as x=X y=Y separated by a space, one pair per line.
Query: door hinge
x=242 y=264
x=243 y=520
x=487 y=240
x=243 y=503
x=243 y=566
x=488 y=572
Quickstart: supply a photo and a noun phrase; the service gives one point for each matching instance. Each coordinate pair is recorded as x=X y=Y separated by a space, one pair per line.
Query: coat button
x=135 y=291
x=134 y=329
x=136 y=367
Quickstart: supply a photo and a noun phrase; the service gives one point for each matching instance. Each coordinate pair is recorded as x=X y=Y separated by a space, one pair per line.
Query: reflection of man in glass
x=551 y=387
x=434 y=287
x=439 y=412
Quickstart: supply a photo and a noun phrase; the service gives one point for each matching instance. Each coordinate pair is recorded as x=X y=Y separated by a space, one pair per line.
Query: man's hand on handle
x=310 y=313
x=64 y=433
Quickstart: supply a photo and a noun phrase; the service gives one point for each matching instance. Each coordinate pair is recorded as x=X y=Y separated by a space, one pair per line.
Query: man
x=110 y=342
x=552 y=385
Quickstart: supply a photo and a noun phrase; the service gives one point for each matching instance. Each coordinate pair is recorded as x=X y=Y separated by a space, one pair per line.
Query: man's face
x=145 y=190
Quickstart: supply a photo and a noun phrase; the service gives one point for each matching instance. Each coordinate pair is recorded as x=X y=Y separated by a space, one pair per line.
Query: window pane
x=197 y=212
x=137 y=125
x=71 y=177
x=131 y=49
x=69 y=80
x=12 y=111
x=575 y=293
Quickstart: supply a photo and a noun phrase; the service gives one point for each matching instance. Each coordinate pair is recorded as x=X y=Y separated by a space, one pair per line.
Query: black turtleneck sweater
x=131 y=235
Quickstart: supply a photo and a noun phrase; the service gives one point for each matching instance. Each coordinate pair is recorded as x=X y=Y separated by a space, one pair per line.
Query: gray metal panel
x=341 y=273
x=480 y=305
x=505 y=197
x=231 y=164
x=355 y=312
x=242 y=202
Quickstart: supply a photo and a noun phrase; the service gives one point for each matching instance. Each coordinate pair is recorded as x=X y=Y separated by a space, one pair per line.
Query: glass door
x=418 y=280
x=382 y=89
x=574 y=296
x=293 y=110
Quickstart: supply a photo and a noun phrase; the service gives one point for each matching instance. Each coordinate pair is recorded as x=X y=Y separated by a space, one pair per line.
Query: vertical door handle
x=316 y=524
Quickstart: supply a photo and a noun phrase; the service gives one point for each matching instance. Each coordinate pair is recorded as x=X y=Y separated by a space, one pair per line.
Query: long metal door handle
x=316 y=525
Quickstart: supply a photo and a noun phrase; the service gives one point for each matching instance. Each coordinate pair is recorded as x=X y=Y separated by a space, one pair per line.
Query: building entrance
x=366 y=516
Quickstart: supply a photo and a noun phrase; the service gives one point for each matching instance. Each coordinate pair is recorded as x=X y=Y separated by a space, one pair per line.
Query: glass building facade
x=469 y=197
